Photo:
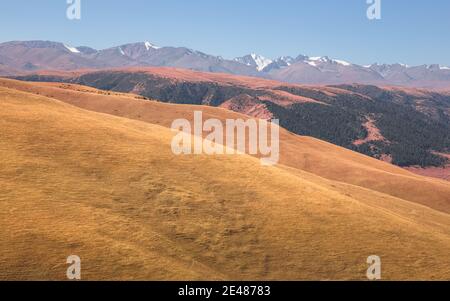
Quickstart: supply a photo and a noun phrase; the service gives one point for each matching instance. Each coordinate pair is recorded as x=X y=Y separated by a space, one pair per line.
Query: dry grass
x=308 y=154
x=110 y=190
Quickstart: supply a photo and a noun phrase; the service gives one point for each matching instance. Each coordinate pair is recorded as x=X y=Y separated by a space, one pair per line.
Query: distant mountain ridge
x=29 y=56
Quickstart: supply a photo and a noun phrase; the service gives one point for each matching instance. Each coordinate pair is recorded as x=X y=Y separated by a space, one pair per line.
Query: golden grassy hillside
x=109 y=189
x=308 y=154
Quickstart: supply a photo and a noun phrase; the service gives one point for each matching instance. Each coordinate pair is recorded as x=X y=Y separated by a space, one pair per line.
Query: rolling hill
x=305 y=153
x=76 y=179
x=407 y=127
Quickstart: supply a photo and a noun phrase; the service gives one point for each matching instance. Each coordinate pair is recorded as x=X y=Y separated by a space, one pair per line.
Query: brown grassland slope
x=308 y=154
x=109 y=189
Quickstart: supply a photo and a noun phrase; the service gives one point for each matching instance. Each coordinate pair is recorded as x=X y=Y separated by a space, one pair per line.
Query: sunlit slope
x=110 y=190
x=305 y=153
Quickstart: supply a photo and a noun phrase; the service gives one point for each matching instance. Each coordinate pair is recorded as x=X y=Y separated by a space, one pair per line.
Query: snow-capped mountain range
x=262 y=63
x=254 y=60
x=31 y=56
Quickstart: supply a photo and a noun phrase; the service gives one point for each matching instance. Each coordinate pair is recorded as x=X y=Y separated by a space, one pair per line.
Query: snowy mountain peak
x=343 y=63
x=71 y=49
x=321 y=59
x=285 y=59
x=149 y=46
x=315 y=61
x=260 y=61
x=254 y=60
x=318 y=60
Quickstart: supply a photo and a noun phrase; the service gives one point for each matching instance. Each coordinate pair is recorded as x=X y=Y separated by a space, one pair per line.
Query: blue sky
x=411 y=31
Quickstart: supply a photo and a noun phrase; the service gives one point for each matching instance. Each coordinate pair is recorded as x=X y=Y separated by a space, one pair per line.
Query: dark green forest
x=412 y=136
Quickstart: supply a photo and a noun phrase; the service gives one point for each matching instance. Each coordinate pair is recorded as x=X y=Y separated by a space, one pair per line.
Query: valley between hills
x=91 y=172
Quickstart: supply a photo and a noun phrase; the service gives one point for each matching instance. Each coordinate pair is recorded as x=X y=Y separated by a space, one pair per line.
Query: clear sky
x=411 y=31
